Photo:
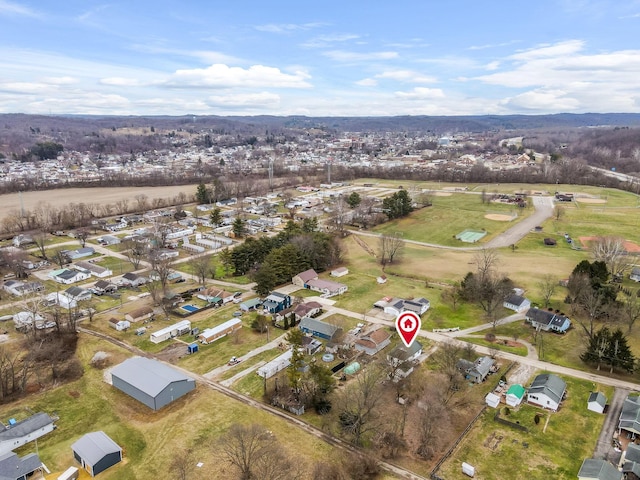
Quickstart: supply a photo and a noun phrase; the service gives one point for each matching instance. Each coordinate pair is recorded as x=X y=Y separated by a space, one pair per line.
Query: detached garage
x=151 y=382
x=96 y=452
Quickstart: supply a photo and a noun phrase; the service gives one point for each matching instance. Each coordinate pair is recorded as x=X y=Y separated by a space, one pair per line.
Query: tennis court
x=470 y=236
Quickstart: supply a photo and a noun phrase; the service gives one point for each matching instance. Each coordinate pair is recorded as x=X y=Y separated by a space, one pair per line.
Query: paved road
x=604 y=448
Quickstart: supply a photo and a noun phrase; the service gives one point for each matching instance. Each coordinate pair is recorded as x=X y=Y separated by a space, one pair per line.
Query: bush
x=490 y=337
x=536 y=419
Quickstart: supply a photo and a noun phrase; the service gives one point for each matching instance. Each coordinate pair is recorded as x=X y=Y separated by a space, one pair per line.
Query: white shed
x=492 y=400
x=597 y=401
x=468 y=469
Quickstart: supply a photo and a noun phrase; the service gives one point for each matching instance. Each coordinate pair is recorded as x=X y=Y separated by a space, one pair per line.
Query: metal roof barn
x=151 y=382
x=96 y=452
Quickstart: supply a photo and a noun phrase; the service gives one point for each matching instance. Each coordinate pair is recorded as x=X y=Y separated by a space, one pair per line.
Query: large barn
x=151 y=382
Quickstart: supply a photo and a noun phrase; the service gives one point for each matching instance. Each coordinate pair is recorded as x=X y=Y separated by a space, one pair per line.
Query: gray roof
x=318 y=326
x=94 y=446
x=544 y=317
x=515 y=299
x=68 y=274
x=633 y=453
x=630 y=415
x=600 y=469
x=13 y=467
x=598 y=397
x=149 y=376
x=402 y=353
x=26 y=426
x=550 y=385
x=76 y=291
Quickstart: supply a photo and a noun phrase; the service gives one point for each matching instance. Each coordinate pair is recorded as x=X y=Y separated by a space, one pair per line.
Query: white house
x=517 y=303
x=492 y=400
x=96 y=270
x=61 y=299
x=547 y=391
x=26 y=319
x=67 y=276
x=326 y=287
x=119 y=325
x=404 y=359
x=398 y=305
x=20 y=433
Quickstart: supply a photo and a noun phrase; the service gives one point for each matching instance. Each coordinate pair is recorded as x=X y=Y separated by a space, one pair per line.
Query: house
x=547 y=391
x=133 y=280
x=96 y=270
x=251 y=304
x=140 y=314
x=373 y=342
x=635 y=274
x=26 y=319
x=318 y=328
x=476 y=371
x=396 y=306
x=598 y=469
x=629 y=419
x=62 y=300
x=596 y=402
x=96 y=452
x=492 y=400
x=276 y=301
x=68 y=276
x=210 y=335
x=276 y=365
x=13 y=467
x=517 y=303
x=339 y=272
x=20 y=433
x=152 y=383
x=403 y=359
x=80 y=253
x=215 y=295
x=514 y=395
x=119 y=325
x=546 y=320
x=311 y=345
x=19 y=288
x=108 y=240
x=103 y=286
x=303 y=278
x=307 y=309
x=78 y=293
x=326 y=287
x=631 y=462
x=181 y=328
x=21 y=240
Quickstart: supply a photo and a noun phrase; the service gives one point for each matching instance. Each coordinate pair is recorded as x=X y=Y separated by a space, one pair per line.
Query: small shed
x=119 y=325
x=96 y=452
x=468 y=470
x=492 y=400
x=192 y=348
x=597 y=401
x=339 y=272
x=514 y=395
x=381 y=279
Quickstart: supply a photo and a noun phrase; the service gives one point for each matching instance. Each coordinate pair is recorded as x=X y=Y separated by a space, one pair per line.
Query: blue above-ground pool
x=190 y=308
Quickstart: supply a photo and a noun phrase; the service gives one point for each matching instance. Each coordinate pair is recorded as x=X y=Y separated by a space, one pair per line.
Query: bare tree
x=592 y=302
x=486 y=261
x=547 y=287
x=391 y=246
x=630 y=309
x=201 y=267
x=182 y=464
x=60 y=257
x=338 y=218
x=255 y=454
x=357 y=404
x=135 y=252
x=15 y=259
x=433 y=420
x=161 y=267
x=447 y=357
x=142 y=202
x=82 y=234
x=610 y=250
x=40 y=238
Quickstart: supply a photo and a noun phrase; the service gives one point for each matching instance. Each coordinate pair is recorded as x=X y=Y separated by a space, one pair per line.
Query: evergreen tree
x=202 y=195
x=239 y=229
x=216 y=217
x=353 y=200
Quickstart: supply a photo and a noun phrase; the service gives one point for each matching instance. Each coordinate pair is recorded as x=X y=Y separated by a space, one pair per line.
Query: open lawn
x=554 y=448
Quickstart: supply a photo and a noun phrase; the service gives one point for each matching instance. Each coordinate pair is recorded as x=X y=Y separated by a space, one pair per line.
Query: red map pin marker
x=408 y=325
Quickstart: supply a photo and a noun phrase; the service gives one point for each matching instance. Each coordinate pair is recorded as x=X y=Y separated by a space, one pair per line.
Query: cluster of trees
x=274 y=260
x=609 y=348
x=398 y=205
x=46 y=150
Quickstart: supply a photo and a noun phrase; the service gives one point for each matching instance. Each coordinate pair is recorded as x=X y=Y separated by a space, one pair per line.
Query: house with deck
x=547 y=320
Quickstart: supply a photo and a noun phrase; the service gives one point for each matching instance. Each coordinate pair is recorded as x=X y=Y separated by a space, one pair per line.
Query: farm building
x=318 y=328
x=598 y=469
x=96 y=452
x=276 y=365
x=517 y=303
x=212 y=334
x=175 y=330
x=339 y=272
x=373 y=342
x=547 y=391
x=514 y=395
x=596 y=402
x=140 y=314
x=547 y=320
x=119 y=325
x=20 y=433
x=151 y=382
x=13 y=467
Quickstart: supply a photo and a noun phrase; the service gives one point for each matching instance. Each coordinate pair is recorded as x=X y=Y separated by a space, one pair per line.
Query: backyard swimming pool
x=190 y=308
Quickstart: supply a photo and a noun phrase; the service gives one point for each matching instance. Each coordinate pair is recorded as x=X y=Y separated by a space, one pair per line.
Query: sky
x=329 y=58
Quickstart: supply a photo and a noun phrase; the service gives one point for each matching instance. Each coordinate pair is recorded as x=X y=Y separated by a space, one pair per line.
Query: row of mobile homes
x=212 y=334
x=171 y=331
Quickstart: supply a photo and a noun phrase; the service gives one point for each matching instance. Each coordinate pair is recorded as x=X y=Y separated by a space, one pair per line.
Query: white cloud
x=121 y=82
x=12 y=8
x=323 y=41
x=492 y=45
x=286 y=27
x=223 y=76
x=206 y=56
x=550 y=51
x=543 y=100
x=251 y=100
x=408 y=76
x=367 y=82
x=492 y=66
x=59 y=80
x=344 y=56
x=421 y=93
